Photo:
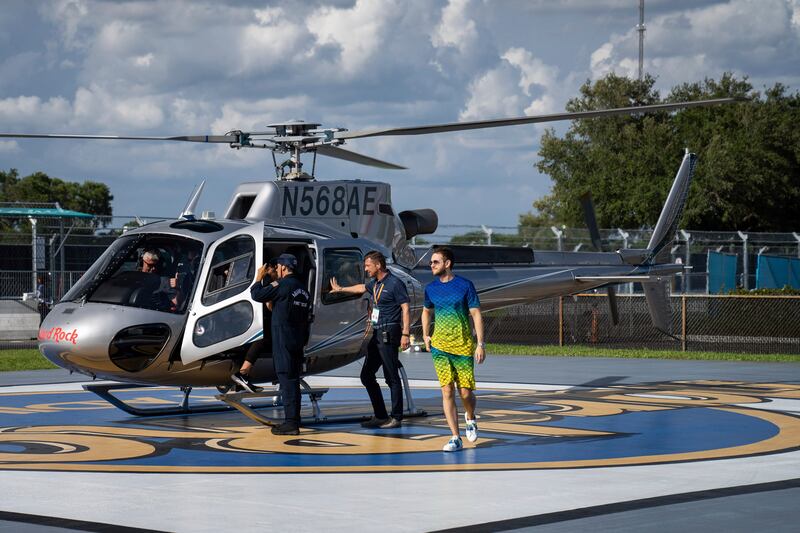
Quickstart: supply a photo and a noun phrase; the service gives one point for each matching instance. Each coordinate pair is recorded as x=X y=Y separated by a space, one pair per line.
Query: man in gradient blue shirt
x=452 y=300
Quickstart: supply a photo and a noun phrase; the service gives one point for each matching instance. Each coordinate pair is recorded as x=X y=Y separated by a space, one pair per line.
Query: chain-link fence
x=753 y=324
x=73 y=245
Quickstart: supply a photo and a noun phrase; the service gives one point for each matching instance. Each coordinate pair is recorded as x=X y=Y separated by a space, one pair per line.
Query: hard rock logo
x=57 y=334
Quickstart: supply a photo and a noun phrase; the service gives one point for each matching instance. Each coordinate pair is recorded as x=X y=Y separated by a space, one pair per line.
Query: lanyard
x=377 y=295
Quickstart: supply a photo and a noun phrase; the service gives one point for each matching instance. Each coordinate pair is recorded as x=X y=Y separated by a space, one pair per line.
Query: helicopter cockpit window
x=150 y=271
x=232 y=269
x=347 y=267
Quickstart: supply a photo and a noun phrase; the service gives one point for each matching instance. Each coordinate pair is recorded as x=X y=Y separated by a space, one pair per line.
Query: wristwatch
x=481 y=345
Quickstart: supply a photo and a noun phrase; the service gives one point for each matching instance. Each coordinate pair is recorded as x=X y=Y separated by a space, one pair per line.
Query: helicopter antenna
x=191 y=205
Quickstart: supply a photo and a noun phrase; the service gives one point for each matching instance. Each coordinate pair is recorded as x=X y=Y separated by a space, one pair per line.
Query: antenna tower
x=640 y=28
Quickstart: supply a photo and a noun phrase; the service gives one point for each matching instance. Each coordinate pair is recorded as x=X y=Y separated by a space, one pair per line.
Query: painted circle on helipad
x=518 y=429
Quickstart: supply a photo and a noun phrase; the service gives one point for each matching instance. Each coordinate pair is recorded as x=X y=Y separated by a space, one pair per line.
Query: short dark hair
x=446 y=253
x=376 y=257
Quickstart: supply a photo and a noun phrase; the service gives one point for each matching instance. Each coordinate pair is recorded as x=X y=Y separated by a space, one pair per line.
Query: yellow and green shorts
x=451 y=368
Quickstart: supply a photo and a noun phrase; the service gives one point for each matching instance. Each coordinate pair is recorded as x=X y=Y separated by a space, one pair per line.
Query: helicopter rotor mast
x=296 y=137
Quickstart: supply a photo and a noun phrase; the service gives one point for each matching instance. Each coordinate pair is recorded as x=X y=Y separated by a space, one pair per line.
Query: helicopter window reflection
x=233 y=267
x=347 y=267
x=149 y=271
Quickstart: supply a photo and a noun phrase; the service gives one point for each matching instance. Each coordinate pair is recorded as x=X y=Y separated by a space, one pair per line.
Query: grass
x=631 y=353
x=23 y=360
x=32 y=360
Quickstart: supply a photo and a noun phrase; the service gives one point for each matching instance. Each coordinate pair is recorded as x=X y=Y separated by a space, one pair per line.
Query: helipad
x=545 y=449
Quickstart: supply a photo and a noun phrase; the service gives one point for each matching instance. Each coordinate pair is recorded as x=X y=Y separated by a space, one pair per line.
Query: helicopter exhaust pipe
x=419 y=222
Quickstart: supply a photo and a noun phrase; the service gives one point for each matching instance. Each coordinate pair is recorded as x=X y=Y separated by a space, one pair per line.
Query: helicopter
x=188 y=320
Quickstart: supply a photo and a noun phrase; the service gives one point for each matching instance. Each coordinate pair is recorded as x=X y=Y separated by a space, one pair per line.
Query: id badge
x=374 y=317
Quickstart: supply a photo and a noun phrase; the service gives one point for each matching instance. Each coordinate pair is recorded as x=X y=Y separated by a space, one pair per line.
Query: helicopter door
x=222 y=315
x=340 y=317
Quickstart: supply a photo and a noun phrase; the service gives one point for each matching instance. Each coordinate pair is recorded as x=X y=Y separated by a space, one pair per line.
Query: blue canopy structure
x=42 y=212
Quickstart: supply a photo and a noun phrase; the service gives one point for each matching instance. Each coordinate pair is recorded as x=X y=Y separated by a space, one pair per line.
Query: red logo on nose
x=58 y=335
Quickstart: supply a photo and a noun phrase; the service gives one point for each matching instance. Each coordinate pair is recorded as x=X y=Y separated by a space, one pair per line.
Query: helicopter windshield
x=145 y=270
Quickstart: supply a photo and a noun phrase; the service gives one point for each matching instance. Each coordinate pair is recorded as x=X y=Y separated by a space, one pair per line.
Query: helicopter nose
x=104 y=340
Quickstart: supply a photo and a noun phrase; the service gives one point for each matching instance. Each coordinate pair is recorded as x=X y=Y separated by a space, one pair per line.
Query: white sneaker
x=453 y=445
x=472 y=429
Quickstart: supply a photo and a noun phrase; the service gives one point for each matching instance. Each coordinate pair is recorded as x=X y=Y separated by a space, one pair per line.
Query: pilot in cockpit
x=163 y=295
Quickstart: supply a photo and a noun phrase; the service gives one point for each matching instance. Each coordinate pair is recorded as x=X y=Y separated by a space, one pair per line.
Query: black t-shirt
x=387 y=294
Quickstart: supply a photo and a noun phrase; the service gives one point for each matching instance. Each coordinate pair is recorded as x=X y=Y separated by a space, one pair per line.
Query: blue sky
x=178 y=67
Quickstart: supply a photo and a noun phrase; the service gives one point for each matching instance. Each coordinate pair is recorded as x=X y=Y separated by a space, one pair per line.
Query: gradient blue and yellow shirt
x=451 y=303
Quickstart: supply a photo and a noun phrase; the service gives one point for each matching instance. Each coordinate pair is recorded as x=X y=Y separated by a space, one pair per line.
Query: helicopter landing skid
x=183 y=408
x=235 y=401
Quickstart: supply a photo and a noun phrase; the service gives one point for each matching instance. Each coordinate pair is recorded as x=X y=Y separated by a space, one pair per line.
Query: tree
x=88 y=197
x=747 y=176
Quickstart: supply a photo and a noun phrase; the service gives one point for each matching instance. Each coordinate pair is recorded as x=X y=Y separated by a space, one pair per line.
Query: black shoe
x=244 y=382
x=374 y=422
x=287 y=428
x=391 y=424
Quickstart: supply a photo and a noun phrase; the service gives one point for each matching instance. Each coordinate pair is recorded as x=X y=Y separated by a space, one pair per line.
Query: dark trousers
x=383 y=354
x=287 y=356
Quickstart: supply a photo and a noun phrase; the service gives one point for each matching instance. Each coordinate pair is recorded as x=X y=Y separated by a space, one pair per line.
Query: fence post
x=745 y=261
x=683 y=323
x=560 y=236
x=688 y=261
x=561 y=321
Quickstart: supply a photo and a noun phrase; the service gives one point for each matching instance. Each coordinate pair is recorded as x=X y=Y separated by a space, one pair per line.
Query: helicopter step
x=235 y=399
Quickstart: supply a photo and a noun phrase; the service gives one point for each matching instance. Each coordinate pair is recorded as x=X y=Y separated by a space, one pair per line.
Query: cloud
x=456 y=29
x=520 y=84
x=28 y=112
x=69 y=16
x=249 y=115
x=9 y=147
x=169 y=67
x=356 y=32
x=96 y=107
x=494 y=94
x=757 y=38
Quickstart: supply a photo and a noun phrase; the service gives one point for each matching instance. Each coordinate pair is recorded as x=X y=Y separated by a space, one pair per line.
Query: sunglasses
x=436 y=262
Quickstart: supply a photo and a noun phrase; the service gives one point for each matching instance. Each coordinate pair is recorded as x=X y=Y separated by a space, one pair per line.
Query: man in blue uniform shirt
x=390 y=318
x=291 y=307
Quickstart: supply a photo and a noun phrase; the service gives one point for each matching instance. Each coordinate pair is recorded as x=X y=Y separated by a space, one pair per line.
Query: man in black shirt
x=390 y=318
x=291 y=307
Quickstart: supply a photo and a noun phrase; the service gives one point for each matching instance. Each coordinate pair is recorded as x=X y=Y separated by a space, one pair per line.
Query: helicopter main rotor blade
x=353 y=157
x=187 y=138
x=497 y=123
